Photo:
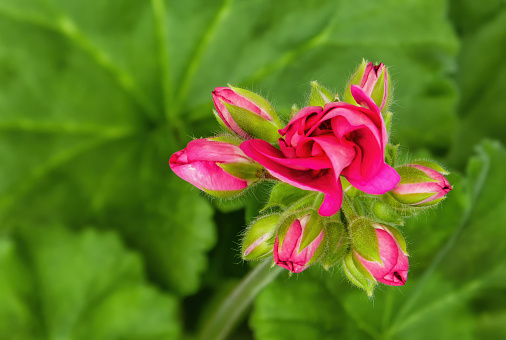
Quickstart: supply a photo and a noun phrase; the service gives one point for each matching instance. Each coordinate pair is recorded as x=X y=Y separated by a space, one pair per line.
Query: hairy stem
x=228 y=313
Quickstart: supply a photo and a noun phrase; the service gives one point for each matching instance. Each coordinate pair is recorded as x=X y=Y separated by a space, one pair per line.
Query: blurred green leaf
x=96 y=96
x=446 y=297
x=84 y=137
x=56 y=284
x=279 y=49
x=482 y=80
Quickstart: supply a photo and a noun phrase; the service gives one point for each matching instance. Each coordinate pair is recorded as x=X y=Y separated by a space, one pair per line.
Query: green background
x=100 y=240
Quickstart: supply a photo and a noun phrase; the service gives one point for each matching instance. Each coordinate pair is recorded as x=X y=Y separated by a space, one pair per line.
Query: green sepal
x=338 y=244
x=247 y=171
x=398 y=237
x=431 y=203
x=358 y=274
x=265 y=228
x=386 y=213
x=412 y=199
x=313 y=229
x=349 y=189
x=358 y=206
x=308 y=201
x=294 y=110
x=224 y=194
x=227 y=138
x=259 y=101
x=253 y=124
x=379 y=90
x=411 y=175
x=354 y=80
x=391 y=154
x=319 y=95
x=220 y=121
x=364 y=239
x=284 y=195
x=403 y=210
x=387 y=118
x=433 y=166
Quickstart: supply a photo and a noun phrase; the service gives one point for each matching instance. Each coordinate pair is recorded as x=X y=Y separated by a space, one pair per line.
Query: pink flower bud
x=374 y=81
x=246 y=113
x=216 y=167
x=393 y=269
x=422 y=184
x=297 y=247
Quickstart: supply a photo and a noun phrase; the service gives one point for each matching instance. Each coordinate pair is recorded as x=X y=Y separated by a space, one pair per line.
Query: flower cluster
x=340 y=191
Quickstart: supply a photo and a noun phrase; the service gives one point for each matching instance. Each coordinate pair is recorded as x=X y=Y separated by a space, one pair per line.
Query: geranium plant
x=340 y=194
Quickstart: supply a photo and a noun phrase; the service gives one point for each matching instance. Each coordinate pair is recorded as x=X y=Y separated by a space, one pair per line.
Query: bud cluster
x=341 y=196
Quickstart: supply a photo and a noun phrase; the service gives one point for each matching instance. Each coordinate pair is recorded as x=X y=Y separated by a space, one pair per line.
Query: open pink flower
x=395 y=264
x=320 y=144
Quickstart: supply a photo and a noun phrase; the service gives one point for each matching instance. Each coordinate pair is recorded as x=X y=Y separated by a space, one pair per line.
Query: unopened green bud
x=320 y=95
x=258 y=240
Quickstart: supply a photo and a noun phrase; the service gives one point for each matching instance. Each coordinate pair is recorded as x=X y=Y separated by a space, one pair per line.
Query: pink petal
x=291 y=241
x=226 y=117
x=208 y=176
x=374 y=112
x=399 y=274
x=213 y=151
x=272 y=159
x=389 y=254
x=300 y=116
x=385 y=180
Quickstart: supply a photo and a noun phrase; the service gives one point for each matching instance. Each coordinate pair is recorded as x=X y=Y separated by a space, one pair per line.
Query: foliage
x=96 y=95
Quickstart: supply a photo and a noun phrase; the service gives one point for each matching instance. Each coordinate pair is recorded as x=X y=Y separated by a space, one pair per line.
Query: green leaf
x=95 y=99
x=482 y=79
x=457 y=277
x=56 y=284
x=87 y=128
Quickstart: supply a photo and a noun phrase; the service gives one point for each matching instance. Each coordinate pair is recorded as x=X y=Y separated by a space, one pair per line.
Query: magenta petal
x=213 y=151
x=208 y=176
x=332 y=201
x=399 y=274
x=275 y=160
x=389 y=254
x=363 y=99
x=301 y=115
x=340 y=155
x=385 y=180
x=291 y=241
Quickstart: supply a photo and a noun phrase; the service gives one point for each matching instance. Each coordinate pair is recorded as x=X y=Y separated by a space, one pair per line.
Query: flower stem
x=228 y=313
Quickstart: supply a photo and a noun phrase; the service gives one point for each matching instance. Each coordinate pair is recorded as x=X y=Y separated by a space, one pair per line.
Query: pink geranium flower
x=321 y=144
